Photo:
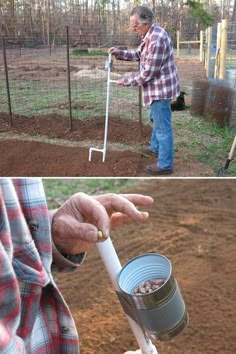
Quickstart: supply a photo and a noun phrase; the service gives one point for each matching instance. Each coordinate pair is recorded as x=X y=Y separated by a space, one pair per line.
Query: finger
x=125 y=205
x=118 y=219
x=79 y=236
x=139 y=199
x=89 y=233
x=93 y=212
x=112 y=50
x=114 y=202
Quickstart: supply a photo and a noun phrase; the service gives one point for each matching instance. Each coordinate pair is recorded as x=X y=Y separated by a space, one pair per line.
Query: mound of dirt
x=57 y=126
x=32 y=155
x=191 y=223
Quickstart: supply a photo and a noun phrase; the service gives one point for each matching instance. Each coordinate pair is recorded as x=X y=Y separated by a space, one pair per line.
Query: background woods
x=101 y=22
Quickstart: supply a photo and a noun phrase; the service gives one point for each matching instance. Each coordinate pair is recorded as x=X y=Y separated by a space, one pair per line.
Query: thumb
x=72 y=236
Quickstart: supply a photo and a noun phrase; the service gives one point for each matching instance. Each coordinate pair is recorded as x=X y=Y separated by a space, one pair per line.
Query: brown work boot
x=157 y=171
x=147 y=151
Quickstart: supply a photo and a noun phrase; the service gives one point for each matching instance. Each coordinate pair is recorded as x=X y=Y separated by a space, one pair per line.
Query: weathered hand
x=82 y=220
x=122 y=81
x=114 y=51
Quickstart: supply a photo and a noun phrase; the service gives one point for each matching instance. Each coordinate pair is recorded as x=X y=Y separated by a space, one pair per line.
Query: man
x=159 y=78
x=34 y=317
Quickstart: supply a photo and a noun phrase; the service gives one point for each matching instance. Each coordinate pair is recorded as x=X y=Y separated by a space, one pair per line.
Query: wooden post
x=177 y=38
x=218 y=45
x=223 y=49
x=209 y=42
x=206 y=43
x=201 y=47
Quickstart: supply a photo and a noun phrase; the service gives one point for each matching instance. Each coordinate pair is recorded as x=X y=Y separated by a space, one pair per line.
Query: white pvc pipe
x=113 y=267
x=103 y=150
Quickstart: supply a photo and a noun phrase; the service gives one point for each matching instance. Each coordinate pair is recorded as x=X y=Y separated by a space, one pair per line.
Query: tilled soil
x=26 y=150
x=191 y=223
x=69 y=156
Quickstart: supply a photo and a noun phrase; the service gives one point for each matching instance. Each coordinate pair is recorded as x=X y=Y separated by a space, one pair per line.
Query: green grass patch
x=88 y=52
x=39 y=96
x=60 y=189
x=206 y=141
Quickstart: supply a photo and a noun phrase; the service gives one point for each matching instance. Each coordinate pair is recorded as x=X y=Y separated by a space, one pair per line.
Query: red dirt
x=56 y=126
x=31 y=158
x=191 y=223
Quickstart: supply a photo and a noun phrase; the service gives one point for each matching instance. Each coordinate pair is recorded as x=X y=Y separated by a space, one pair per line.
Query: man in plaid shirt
x=34 y=317
x=159 y=78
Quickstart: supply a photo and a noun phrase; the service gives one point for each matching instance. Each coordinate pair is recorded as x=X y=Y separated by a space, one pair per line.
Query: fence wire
x=38 y=81
x=231 y=46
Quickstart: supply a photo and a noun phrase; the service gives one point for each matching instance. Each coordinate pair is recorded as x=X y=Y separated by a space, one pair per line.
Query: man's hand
x=114 y=51
x=83 y=220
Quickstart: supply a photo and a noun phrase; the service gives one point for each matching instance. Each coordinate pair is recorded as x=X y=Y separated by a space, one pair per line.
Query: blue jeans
x=162 y=141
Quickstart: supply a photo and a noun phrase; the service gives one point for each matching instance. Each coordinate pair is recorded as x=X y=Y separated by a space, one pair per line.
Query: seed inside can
x=147 y=287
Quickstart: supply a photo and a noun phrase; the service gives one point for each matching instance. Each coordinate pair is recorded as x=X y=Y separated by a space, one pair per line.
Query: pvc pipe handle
x=113 y=267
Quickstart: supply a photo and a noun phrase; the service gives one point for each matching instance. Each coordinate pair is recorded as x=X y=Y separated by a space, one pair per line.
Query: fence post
x=7 y=79
x=209 y=40
x=223 y=48
x=206 y=42
x=68 y=73
x=177 y=43
x=218 y=45
x=201 y=47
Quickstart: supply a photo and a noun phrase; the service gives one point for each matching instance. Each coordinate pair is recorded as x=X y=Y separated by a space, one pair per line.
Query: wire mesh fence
x=68 y=77
x=52 y=80
x=231 y=46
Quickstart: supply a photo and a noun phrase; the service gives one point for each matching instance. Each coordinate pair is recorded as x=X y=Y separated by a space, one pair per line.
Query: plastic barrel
x=230 y=78
x=218 y=105
x=199 y=93
x=233 y=113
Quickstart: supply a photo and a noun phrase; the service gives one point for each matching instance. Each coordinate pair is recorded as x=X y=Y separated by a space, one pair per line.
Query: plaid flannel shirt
x=158 y=73
x=34 y=317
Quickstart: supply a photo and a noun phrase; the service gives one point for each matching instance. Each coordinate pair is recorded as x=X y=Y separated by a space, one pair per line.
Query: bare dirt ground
x=44 y=146
x=68 y=155
x=191 y=223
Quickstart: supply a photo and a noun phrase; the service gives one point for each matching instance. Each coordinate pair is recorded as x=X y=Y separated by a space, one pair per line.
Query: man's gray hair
x=144 y=14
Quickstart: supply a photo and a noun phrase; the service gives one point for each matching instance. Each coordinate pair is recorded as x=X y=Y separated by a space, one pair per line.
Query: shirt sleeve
x=66 y=262
x=9 y=304
x=61 y=261
x=129 y=55
x=150 y=68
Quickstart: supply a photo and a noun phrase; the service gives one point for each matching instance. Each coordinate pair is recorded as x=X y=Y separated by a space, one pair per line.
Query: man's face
x=140 y=29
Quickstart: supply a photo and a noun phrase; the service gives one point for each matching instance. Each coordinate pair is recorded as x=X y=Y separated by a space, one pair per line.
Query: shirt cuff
x=61 y=261
x=66 y=262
